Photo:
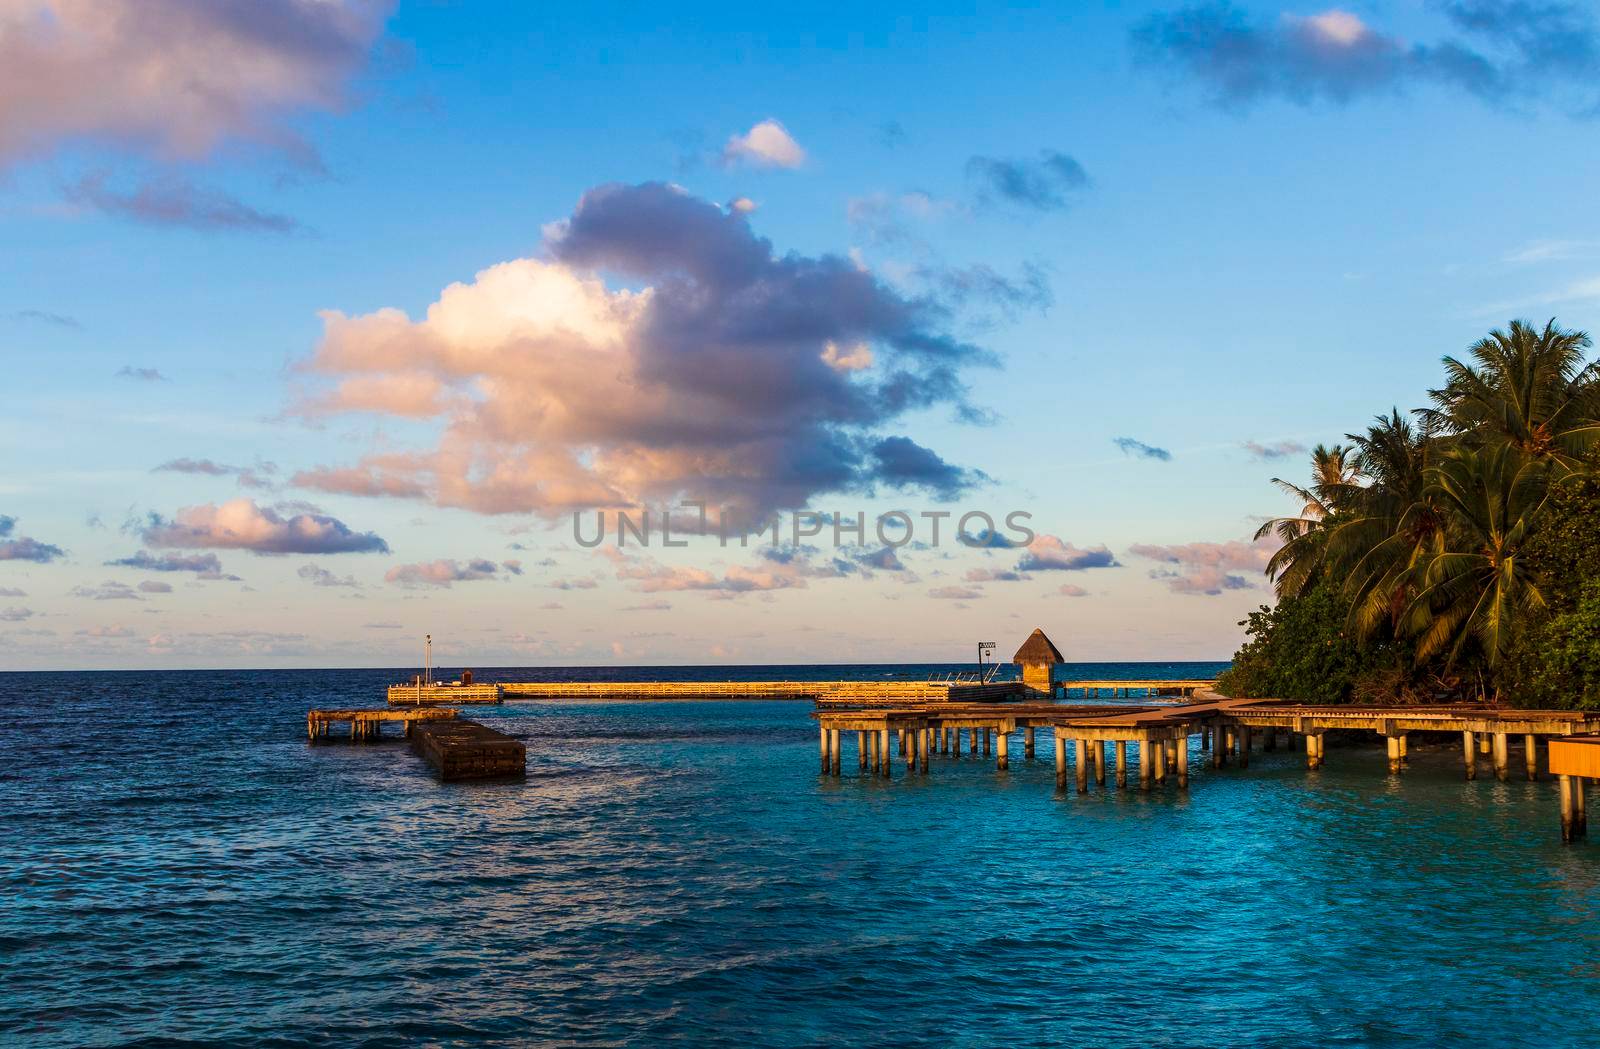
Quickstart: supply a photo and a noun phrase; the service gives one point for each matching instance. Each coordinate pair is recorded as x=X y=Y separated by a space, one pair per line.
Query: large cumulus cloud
x=709 y=368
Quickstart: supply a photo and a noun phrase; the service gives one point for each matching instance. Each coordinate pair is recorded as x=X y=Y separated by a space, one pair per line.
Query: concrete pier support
x=833 y=751
x=1218 y=737
x=1100 y=763
x=908 y=749
x=1082 y=769
x=1183 y=763
x=1313 y=750
x=1244 y=746
x=1147 y=764
x=1027 y=745
x=1469 y=754
x=1205 y=738
x=1530 y=750
x=1580 y=809
x=986 y=742
x=1502 y=758
x=1270 y=741
x=1158 y=760
x=1393 y=743
x=1122 y=763
x=903 y=742
x=1405 y=752
x=1061 y=760
x=1002 y=746
x=924 y=741
x=1483 y=743
x=972 y=740
x=823 y=732
x=861 y=751
x=885 y=763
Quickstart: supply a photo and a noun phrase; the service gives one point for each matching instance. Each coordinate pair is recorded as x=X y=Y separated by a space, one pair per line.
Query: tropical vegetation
x=1452 y=552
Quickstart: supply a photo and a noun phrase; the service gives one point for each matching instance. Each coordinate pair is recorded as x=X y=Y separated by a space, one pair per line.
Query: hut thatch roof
x=1036 y=650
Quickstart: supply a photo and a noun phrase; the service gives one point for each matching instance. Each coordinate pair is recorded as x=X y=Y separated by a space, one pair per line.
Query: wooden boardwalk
x=1126 y=688
x=860 y=692
x=1156 y=738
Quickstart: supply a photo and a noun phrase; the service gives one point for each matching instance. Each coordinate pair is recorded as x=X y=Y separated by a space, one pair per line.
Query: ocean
x=178 y=866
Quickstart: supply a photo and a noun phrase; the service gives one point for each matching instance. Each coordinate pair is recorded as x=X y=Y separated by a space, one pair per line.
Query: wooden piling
x=1147 y=764
x=822 y=730
x=1122 y=763
x=1100 y=763
x=1530 y=749
x=861 y=751
x=1002 y=747
x=1502 y=759
x=1393 y=743
x=833 y=751
x=1217 y=751
x=1183 y=762
x=885 y=762
x=1244 y=746
x=1027 y=745
x=1083 y=766
x=924 y=739
x=1158 y=754
x=986 y=741
x=1580 y=810
x=1469 y=753
x=1269 y=741
x=1311 y=750
x=1061 y=760
x=1569 y=823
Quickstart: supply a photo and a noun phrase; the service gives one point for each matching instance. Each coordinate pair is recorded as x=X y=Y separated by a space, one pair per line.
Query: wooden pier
x=367 y=725
x=1148 y=688
x=1157 y=738
x=862 y=692
x=467 y=750
x=441 y=694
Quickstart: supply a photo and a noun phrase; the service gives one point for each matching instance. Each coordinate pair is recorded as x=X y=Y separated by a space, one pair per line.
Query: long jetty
x=1156 y=739
x=866 y=692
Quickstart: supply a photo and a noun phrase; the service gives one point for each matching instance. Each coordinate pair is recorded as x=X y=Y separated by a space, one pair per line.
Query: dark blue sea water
x=179 y=866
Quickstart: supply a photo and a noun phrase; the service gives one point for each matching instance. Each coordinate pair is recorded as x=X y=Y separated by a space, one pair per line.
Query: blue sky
x=1211 y=230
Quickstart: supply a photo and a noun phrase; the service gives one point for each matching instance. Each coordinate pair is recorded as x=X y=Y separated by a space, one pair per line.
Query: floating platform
x=467 y=750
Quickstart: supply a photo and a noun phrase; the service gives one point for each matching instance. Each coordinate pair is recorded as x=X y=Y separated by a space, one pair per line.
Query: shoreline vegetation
x=1447 y=554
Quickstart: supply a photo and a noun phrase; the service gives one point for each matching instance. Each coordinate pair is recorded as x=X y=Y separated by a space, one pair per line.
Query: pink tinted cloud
x=442 y=572
x=175 y=79
x=1052 y=553
x=242 y=525
x=1208 y=569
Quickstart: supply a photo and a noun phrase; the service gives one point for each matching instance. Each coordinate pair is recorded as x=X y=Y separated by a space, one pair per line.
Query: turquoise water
x=180 y=866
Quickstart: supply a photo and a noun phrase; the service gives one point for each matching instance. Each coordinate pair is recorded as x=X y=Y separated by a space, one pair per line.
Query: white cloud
x=766 y=145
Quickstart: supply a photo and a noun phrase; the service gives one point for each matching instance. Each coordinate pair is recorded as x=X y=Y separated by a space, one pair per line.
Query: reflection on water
x=179 y=863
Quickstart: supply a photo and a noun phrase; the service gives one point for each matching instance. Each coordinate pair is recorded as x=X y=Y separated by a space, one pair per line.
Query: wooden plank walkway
x=1158 y=737
x=1148 y=686
x=368 y=724
x=821 y=691
x=467 y=750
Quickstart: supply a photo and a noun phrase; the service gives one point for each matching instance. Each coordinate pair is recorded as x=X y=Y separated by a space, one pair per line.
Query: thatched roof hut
x=1038 y=651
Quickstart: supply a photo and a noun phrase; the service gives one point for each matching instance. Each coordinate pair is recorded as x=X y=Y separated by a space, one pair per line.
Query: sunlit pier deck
x=368 y=724
x=864 y=692
x=1157 y=738
x=442 y=694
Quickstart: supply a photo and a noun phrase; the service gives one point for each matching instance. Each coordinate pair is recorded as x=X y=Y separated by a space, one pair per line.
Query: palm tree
x=1391 y=522
x=1473 y=586
x=1334 y=477
x=1527 y=388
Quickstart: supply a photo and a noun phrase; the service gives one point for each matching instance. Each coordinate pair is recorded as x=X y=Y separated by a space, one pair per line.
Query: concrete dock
x=467 y=750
